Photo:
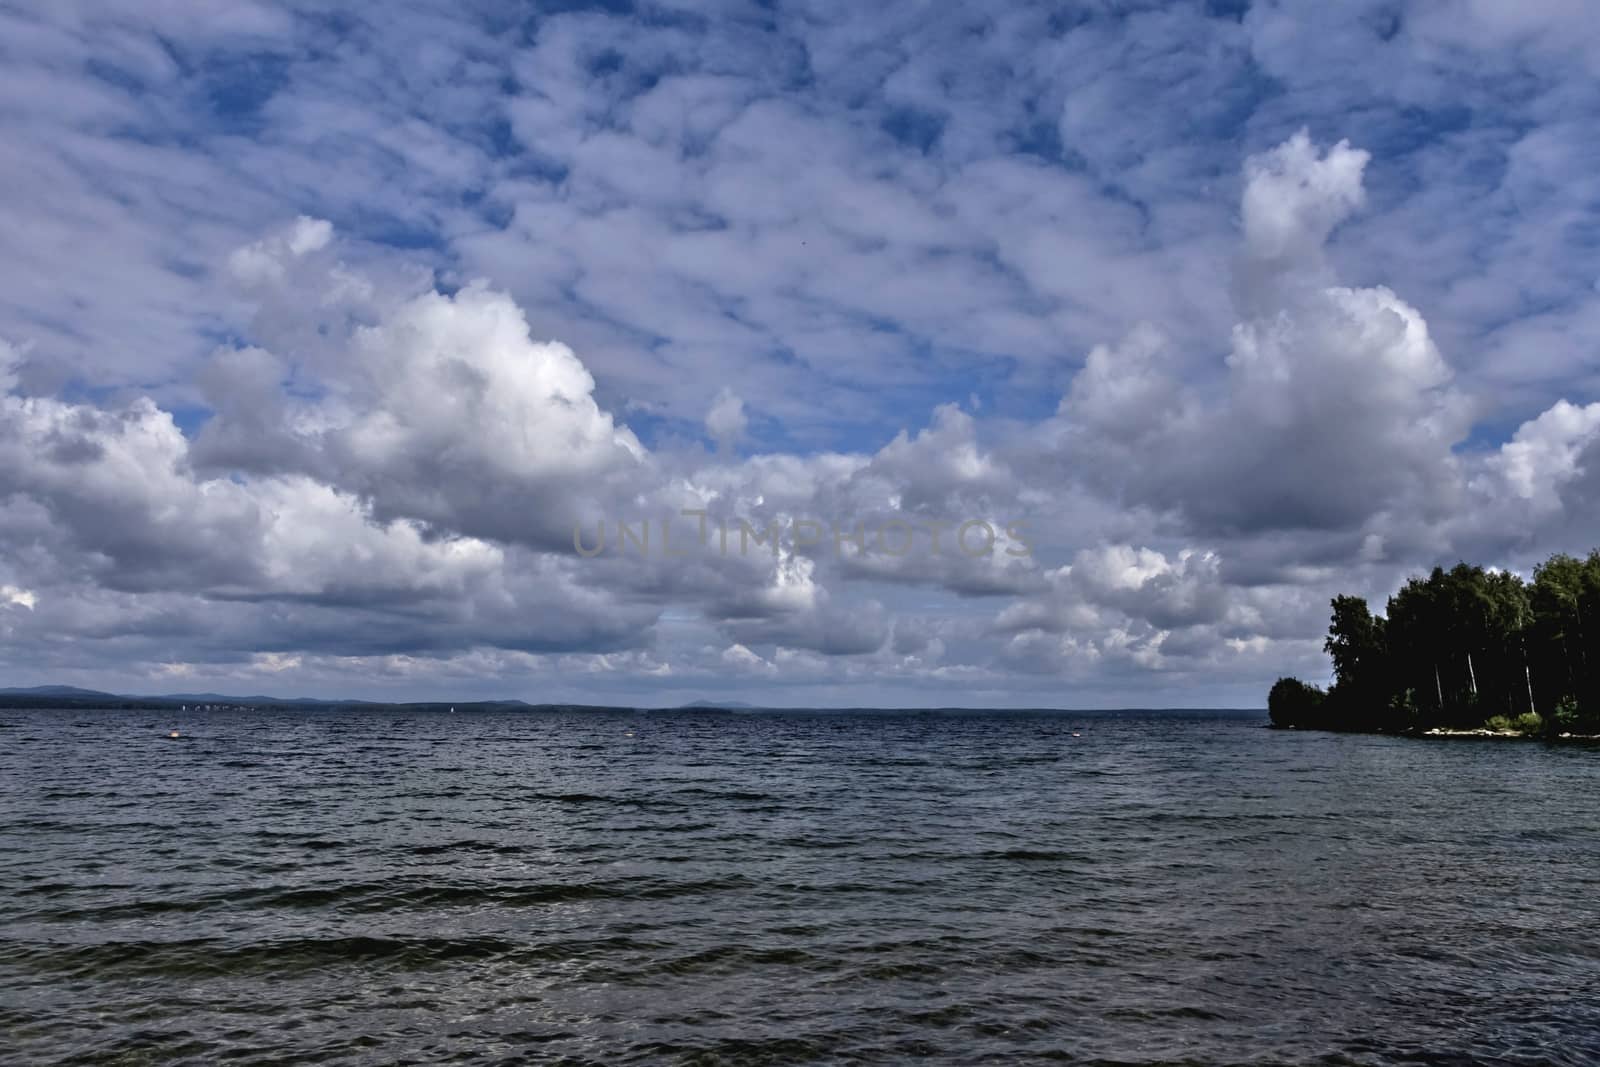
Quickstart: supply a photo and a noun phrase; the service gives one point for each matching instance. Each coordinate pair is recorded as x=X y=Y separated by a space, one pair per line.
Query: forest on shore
x=1465 y=648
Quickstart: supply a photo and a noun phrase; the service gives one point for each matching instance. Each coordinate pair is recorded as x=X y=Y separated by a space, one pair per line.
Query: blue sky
x=323 y=327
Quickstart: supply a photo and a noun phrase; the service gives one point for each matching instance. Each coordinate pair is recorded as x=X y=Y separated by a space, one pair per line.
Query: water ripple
x=370 y=888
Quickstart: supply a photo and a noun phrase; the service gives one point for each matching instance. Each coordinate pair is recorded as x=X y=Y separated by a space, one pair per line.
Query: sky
x=796 y=353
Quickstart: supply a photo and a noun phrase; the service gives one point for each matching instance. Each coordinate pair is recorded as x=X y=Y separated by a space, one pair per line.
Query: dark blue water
x=387 y=888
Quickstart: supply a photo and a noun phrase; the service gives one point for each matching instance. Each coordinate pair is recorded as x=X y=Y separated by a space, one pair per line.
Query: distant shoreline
x=18 y=700
x=1478 y=733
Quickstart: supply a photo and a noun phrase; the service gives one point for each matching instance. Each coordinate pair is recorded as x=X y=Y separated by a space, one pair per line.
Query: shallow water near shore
x=380 y=887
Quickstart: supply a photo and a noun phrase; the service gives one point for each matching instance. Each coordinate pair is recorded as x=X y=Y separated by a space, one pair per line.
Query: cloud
x=1543 y=456
x=433 y=408
x=275 y=663
x=379 y=307
x=264 y=262
x=1336 y=406
x=9 y=360
x=740 y=658
x=726 y=421
x=401 y=489
x=1295 y=195
x=1150 y=610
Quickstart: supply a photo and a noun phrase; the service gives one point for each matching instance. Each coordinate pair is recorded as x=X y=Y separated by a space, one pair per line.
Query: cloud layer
x=380 y=312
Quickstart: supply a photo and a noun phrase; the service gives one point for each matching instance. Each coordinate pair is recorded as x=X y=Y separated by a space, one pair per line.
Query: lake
x=1134 y=888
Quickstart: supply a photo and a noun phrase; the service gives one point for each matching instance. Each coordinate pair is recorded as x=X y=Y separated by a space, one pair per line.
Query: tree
x=1565 y=600
x=1292 y=703
x=1357 y=644
x=1458 y=647
x=1511 y=614
x=1418 y=643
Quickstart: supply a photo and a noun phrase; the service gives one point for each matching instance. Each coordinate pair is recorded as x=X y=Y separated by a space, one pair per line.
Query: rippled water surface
x=595 y=888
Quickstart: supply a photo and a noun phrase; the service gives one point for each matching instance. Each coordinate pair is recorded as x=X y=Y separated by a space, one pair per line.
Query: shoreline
x=1484 y=731
x=1474 y=733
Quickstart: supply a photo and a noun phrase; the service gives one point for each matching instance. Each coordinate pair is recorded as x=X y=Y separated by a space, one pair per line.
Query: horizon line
x=70 y=692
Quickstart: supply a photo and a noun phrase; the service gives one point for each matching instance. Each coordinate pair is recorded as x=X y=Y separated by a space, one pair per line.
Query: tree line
x=1462 y=648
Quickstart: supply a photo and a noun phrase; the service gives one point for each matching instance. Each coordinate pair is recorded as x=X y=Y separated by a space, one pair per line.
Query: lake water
x=365 y=887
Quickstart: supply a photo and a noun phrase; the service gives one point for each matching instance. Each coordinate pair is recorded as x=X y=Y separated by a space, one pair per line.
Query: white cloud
x=726 y=420
x=266 y=261
x=1295 y=195
x=1269 y=377
x=740 y=658
x=1336 y=406
x=1543 y=455
x=275 y=663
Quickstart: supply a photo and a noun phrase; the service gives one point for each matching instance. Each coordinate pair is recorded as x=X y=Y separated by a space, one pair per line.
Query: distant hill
x=68 y=697
x=223 y=698
x=89 y=697
x=70 y=692
x=71 y=696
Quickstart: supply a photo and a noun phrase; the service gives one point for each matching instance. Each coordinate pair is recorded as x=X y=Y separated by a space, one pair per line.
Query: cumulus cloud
x=406 y=486
x=1150 y=609
x=740 y=658
x=442 y=409
x=1543 y=457
x=1335 y=405
x=726 y=420
x=411 y=487
x=265 y=261
x=119 y=498
x=1295 y=195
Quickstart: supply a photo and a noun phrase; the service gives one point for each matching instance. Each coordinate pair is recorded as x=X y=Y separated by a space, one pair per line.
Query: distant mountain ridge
x=76 y=697
x=85 y=697
x=224 y=698
x=59 y=691
x=68 y=697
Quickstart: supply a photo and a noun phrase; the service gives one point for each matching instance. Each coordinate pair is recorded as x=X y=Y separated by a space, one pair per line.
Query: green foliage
x=1459 y=646
x=1359 y=649
x=1355 y=640
x=1293 y=703
x=1529 y=723
x=1402 y=712
x=1569 y=718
